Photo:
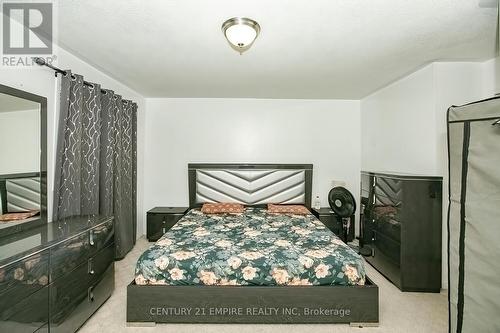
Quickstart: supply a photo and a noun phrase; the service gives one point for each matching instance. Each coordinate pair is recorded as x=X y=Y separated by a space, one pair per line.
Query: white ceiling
x=307 y=49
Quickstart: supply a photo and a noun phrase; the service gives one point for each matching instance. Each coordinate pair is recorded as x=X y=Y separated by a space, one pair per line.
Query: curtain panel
x=96 y=157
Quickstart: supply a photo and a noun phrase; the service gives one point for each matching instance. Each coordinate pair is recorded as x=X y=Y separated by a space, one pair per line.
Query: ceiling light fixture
x=240 y=32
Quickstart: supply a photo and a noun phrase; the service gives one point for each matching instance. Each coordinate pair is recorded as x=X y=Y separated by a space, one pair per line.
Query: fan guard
x=342 y=202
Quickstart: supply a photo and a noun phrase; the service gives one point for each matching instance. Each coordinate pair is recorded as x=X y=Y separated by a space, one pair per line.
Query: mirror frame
x=43 y=159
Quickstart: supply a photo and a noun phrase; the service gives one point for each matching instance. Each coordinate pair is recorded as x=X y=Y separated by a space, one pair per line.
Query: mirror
x=22 y=160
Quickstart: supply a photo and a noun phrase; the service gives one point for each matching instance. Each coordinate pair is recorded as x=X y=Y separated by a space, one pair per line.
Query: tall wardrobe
x=474 y=216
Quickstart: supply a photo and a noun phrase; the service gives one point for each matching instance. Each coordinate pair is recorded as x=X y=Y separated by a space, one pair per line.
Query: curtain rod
x=41 y=62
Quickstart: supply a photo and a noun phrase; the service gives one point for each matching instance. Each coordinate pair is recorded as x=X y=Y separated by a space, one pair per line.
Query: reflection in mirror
x=20 y=182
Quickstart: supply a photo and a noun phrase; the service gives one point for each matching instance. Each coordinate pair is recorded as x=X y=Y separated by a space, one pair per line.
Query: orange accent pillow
x=222 y=207
x=18 y=216
x=288 y=209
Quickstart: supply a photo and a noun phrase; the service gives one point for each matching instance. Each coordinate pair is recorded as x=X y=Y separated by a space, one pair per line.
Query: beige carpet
x=399 y=312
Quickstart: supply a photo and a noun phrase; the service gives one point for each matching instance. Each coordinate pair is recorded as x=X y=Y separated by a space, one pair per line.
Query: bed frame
x=253 y=185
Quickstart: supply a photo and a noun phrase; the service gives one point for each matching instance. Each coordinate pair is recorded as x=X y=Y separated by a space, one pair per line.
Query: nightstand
x=333 y=222
x=161 y=219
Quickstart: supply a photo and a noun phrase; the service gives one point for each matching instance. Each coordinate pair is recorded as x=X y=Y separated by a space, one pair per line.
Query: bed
x=254 y=267
x=250 y=249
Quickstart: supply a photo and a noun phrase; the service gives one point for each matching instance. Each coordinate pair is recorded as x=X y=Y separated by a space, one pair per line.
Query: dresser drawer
x=390 y=228
x=68 y=300
x=159 y=224
x=74 y=298
x=101 y=236
x=99 y=263
x=390 y=248
x=101 y=289
x=28 y=315
x=385 y=266
x=66 y=256
x=24 y=277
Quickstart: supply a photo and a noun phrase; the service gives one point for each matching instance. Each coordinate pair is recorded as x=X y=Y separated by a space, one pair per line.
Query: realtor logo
x=27 y=28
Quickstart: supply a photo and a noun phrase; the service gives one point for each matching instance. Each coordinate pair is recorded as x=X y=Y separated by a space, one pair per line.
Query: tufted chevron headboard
x=250 y=184
x=20 y=192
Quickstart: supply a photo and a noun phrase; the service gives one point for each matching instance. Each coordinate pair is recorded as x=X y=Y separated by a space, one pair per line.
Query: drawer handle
x=91 y=266
x=91 y=238
x=90 y=294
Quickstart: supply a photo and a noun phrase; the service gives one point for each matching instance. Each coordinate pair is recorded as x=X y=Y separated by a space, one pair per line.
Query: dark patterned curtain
x=96 y=157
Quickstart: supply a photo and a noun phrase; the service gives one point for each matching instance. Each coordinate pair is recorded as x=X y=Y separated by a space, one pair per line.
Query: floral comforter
x=253 y=248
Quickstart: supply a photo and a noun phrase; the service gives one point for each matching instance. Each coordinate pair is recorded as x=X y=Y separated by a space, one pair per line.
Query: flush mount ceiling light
x=240 y=32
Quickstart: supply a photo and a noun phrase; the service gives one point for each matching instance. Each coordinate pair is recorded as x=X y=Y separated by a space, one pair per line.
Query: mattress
x=255 y=248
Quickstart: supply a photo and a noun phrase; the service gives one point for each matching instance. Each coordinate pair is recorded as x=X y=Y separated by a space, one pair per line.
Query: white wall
x=398 y=126
x=404 y=124
x=180 y=131
x=19 y=141
x=491 y=77
x=41 y=81
x=456 y=83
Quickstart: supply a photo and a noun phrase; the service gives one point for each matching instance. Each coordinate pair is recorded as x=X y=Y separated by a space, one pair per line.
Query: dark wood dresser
x=54 y=277
x=401 y=222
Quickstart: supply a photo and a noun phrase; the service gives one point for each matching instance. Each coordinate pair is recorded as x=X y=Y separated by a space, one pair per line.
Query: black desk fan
x=344 y=206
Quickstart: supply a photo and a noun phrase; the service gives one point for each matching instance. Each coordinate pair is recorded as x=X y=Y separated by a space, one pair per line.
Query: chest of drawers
x=60 y=278
x=401 y=228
